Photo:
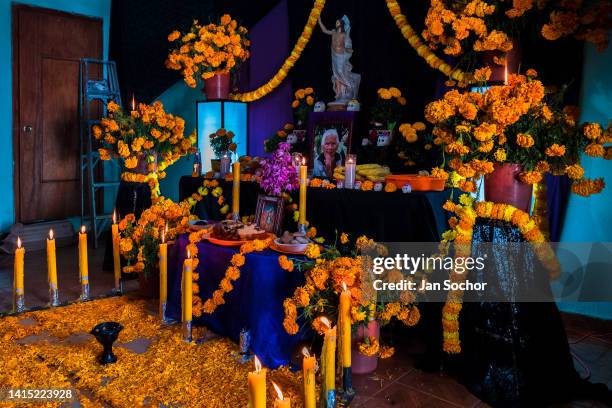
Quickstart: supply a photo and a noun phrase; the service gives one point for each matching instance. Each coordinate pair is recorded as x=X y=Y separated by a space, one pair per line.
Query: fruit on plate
x=290 y=238
x=230 y=230
x=373 y=172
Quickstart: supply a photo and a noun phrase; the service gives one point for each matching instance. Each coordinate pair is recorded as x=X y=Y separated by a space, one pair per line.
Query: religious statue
x=345 y=82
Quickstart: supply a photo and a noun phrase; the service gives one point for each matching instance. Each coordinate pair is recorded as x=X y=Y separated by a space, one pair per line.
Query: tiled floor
x=396 y=382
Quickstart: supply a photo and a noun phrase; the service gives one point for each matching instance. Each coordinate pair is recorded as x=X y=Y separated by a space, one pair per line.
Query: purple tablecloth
x=255 y=303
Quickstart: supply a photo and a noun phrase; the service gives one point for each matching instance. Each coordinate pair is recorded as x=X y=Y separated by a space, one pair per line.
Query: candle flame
x=82 y=229
x=278 y=391
x=257 y=365
x=188 y=254
x=344 y=286
x=114 y=216
x=305 y=352
x=163 y=236
x=51 y=233
x=303 y=161
x=326 y=322
x=506 y=73
x=18 y=242
x=133 y=102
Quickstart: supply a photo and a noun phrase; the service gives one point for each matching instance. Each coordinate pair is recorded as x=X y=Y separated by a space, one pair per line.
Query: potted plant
x=385 y=113
x=512 y=136
x=221 y=142
x=209 y=52
x=140 y=239
x=302 y=105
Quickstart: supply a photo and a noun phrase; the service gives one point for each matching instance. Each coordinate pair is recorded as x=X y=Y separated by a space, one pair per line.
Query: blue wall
x=92 y=8
x=589 y=219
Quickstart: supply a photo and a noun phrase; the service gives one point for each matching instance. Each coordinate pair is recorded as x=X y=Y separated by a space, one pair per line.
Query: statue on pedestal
x=345 y=82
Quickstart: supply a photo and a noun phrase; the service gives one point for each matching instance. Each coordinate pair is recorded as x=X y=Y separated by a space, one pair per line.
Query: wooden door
x=47 y=46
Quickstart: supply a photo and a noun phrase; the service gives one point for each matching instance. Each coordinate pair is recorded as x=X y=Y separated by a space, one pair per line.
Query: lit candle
x=257 y=386
x=236 y=190
x=163 y=275
x=349 y=171
x=187 y=286
x=83 y=266
x=344 y=317
x=18 y=292
x=308 y=370
x=303 y=182
x=328 y=359
x=52 y=270
x=506 y=72
x=133 y=103
x=280 y=402
x=116 y=256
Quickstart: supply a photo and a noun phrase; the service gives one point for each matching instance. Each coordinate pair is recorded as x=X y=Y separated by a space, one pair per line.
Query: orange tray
x=229 y=243
x=418 y=183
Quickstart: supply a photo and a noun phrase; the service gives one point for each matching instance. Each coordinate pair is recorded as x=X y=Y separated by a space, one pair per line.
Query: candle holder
x=187 y=331
x=236 y=216
x=346 y=396
x=18 y=301
x=118 y=290
x=225 y=162
x=244 y=355
x=106 y=333
x=330 y=400
x=84 y=292
x=53 y=295
x=302 y=228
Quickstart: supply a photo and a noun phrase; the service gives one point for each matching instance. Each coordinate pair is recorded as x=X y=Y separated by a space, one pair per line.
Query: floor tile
x=399 y=395
x=439 y=385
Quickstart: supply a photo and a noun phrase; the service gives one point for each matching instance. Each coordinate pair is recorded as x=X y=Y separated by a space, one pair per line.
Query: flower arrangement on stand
x=302 y=105
x=328 y=271
x=209 y=50
x=147 y=139
x=387 y=108
x=222 y=141
x=278 y=172
x=280 y=136
x=140 y=239
x=510 y=131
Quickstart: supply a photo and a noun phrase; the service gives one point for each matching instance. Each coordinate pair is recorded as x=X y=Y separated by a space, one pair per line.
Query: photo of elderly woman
x=329 y=152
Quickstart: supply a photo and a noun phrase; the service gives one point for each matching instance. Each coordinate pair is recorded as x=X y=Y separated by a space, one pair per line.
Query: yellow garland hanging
x=232 y=273
x=423 y=50
x=289 y=62
x=461 y=233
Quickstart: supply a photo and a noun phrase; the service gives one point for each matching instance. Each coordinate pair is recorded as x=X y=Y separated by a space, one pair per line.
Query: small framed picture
x=329 y=141
x=269 y=213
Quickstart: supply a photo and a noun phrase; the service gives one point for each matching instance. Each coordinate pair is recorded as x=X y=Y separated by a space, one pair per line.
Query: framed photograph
x=269 y=213
x=329 y=141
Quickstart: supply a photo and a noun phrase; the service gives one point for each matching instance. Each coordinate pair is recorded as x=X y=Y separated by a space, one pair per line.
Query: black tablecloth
x=385 y=217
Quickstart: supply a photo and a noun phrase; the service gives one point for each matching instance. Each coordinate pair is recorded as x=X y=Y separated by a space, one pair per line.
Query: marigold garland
x=423 y=50
x=461 y=233
x=289 y=62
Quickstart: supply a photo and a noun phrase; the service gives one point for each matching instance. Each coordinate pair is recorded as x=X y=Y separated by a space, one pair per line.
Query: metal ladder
x=98 y=84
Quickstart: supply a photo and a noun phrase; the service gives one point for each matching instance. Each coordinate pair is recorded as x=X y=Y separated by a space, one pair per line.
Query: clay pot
x=217 y=87
x=363 y=364
x=504 y=186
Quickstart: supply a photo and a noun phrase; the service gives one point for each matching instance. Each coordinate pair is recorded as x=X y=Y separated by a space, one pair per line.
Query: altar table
x=382 y=216
x=255 y=303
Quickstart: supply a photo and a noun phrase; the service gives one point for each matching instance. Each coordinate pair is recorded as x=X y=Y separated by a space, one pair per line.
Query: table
x=384 y=217
x=255 y=303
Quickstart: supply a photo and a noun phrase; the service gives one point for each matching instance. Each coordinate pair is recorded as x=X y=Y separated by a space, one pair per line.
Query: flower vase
x=504 y=186
x=217 y=87
x=364 y=364
x=215 y=165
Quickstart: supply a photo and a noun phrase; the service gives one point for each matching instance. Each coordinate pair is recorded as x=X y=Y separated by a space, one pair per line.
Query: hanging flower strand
x=423 y=50
x=289 y=62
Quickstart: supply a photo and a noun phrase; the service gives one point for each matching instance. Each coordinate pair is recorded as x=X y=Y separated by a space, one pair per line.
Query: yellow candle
x=344 y=318
x=281 y=402
x=236 y=188
x=163 y=271
x=83 y=266
x=187 y=289
x=51 y=262
x=18 y=273
x=308 y=370
x=257 y=386
x=116 y=256
x=328 y=357
x=303 y=180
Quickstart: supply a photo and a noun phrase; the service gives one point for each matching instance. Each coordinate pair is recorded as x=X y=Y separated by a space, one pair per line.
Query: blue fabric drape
x=255 y=303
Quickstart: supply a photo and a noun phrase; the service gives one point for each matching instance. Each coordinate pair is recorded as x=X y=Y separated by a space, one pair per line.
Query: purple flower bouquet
x=278 y=172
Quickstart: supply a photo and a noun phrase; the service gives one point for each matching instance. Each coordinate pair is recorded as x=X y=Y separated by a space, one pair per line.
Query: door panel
x=47 y=48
